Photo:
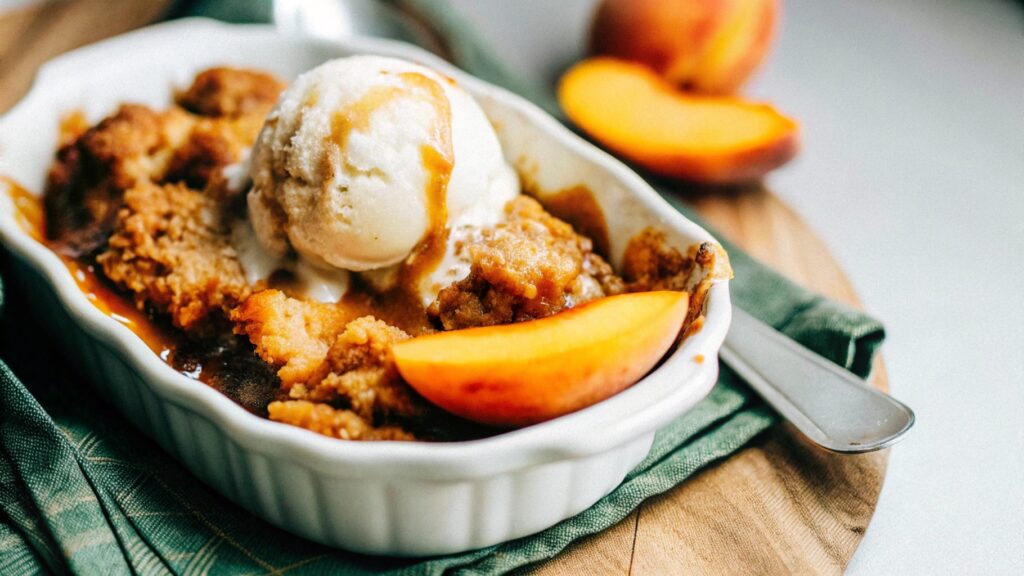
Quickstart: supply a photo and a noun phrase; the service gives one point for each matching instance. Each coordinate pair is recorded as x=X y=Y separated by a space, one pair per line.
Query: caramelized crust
x=92 y=172
x=136 y=144
x=531 y=266
x=651 y=263
x=231 y=92
x=170 y=248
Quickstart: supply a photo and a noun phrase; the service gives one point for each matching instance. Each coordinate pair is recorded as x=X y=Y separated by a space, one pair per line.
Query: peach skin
x=711 y=139
x=709 y=46
x=520 y=374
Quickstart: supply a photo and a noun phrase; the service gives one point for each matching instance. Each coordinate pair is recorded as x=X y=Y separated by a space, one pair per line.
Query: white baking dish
x=396 y=498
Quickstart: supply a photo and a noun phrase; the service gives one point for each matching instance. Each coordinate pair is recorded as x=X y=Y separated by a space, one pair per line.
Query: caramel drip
x=438 y=161
x=578 y=207
x=28 y=209
x=397 y=307
x=430 y=250
x=72 y=126
x=402 y=304
x=108 y=300
x=354 y=118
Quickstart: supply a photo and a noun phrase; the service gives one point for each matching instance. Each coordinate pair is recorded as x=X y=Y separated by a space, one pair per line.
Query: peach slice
x=636 y=113
x=520 y=374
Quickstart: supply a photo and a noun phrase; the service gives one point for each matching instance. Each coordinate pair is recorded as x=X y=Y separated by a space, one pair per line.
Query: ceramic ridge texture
x=395 y=498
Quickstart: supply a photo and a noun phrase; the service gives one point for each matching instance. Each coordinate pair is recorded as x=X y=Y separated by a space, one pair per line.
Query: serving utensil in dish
x=395 y=498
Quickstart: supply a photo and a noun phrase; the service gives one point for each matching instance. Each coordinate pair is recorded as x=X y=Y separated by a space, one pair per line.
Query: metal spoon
x=831 y=406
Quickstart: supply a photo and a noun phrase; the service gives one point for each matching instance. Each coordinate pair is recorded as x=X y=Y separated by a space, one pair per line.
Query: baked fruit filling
x=156 y=208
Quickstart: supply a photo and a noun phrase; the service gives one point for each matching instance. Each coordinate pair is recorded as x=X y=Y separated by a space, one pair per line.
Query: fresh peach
x=636 y=113
x=520 y=374
x=709 y=46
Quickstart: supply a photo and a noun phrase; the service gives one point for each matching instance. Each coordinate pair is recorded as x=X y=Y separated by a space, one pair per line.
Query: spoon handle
x=830 y=405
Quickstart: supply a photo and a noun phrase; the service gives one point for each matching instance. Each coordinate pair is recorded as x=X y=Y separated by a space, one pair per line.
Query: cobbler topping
x=170 y=248
x=231 y=92
x=530 y=266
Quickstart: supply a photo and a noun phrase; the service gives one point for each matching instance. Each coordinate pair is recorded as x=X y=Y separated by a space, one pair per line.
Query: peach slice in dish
x=520 y=374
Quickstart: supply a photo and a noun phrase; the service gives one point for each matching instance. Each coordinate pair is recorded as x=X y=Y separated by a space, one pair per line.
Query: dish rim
x=567 y=437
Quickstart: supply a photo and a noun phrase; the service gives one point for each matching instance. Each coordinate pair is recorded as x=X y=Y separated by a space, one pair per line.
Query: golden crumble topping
x=231 y=92
x=91 y=173
x=360 y=370
x=325 y=356
x=170 y=249
x=651 y=263
x=531 y=266
x=290 y=334
x=138 y=144
x=334 y=422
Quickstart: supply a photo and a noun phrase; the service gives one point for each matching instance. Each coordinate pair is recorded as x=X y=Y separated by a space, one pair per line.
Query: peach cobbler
x=327 y=254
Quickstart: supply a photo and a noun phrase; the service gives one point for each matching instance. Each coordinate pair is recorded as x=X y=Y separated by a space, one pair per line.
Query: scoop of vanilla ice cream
x=343 y=168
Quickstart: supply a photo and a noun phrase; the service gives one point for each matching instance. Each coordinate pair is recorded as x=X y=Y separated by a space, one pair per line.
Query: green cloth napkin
x=83 y=491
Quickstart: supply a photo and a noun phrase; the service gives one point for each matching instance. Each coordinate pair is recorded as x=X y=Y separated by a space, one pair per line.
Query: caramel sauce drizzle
x=401 y=306
x=577 y=206
x=438 y=160
x=28 y=210
x=72 y=125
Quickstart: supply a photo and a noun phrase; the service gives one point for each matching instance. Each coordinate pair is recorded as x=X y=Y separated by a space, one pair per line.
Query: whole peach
x=709 y=46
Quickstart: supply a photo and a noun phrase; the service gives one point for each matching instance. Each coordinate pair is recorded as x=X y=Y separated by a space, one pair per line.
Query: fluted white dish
x=396 y=498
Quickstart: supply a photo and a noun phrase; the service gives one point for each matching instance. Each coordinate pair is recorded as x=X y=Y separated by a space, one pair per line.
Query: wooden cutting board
x=777 y=506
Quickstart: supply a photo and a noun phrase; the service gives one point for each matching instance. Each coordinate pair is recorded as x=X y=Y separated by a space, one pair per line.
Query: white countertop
x=913 y=173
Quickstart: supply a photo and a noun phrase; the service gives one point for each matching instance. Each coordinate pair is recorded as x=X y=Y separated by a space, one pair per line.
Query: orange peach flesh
x=631 y=110
x=520 y=374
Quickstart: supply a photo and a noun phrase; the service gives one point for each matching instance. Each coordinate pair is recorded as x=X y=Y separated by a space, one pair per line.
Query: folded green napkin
x=83 y=491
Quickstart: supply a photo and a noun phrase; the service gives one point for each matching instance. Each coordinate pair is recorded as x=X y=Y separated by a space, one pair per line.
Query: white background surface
x=913 y=173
